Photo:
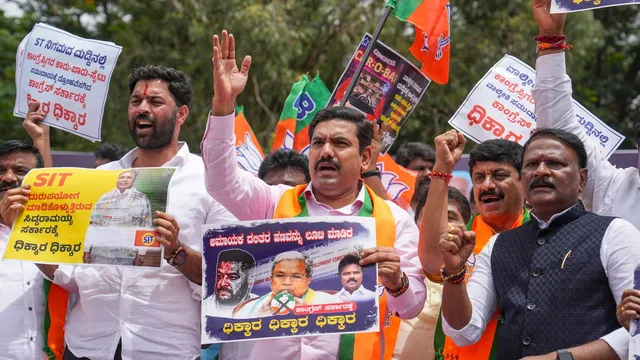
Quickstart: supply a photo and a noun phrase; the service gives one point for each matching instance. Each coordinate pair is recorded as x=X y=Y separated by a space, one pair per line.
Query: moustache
x=494 y=192
x=352 y=280
x=145 y=117
x=329 y=161
x=4 y=186
x=542 y=182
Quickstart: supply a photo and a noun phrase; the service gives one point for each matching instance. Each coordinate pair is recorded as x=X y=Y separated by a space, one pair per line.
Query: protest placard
x=281 y=278
x=88 y=216
x=68 y=75
x=634 y=329
x=566 y=6
x=388 y=89
x=501 y=106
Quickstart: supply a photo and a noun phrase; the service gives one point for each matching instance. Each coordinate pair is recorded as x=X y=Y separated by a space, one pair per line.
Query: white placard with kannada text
x=566 y=6
x=501 y=106
x=68 y=75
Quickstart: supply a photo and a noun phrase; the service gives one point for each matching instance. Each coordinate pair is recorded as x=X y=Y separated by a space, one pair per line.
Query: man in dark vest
x=556 y=279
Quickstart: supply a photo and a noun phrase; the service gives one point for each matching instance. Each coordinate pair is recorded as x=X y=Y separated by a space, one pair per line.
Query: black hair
x=14 y=146
x=497 y=150
x=179 y=83
x=564 y=137
x=246 y=260
x=283 y=159
x=348 y=259
x=638 y=133
x=461 y=202
x=409 y=151
x=364 y=130
x=111 y=152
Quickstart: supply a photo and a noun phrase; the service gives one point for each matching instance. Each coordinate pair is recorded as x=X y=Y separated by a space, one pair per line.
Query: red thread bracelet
x=550 y=39
x=446 y=177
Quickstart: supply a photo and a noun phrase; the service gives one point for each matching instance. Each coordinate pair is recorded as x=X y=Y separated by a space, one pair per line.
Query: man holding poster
x=152 y=313
x=610 y=191
x=339 y=151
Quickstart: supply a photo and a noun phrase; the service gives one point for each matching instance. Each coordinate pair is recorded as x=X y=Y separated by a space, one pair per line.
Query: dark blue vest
x=547 y=306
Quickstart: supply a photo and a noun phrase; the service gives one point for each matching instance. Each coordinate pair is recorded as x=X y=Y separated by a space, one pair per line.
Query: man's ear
x=584 y=175
x=366 y=158
x=181 y=115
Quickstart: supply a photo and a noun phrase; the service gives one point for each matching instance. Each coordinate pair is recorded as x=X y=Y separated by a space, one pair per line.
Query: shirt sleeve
x=482 y=296
x=63 y=277
x=552 y=94
x=620 y=254
x=244 y=195
x=411 y=303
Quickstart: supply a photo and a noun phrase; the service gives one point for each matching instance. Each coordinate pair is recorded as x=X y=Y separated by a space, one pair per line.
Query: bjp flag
x=432 y=44
x=398 y=181
x=303 y=103
x=249 y=153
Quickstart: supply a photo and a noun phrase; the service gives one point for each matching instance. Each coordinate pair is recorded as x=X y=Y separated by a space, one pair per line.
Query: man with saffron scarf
x=495 y=171
x=340 y=150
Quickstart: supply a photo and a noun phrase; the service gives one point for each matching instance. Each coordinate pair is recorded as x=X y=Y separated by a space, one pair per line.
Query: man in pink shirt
x=340 y=150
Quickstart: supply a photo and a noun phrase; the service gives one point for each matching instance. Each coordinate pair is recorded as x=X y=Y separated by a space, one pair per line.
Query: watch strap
x=564 y=354
x=371 y=173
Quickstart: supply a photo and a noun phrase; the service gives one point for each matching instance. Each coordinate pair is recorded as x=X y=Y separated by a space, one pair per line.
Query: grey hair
x=294 y=255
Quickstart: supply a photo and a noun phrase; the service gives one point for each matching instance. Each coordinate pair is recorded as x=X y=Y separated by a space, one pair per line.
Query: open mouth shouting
x=327 y=167
x=491 y=199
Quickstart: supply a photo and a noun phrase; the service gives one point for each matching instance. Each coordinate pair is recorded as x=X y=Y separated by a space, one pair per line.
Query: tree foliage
x=290 y=37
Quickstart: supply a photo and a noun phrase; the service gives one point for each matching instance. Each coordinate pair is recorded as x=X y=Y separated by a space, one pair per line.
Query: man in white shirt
x=155 y=313
x=350 y=273
x=340 y=150
x=610 y=191
x=538 y=274
x=123 y=206
x=22 y=299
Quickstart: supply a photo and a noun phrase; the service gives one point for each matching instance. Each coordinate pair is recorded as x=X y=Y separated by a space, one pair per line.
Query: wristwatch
x=371 y=173
x=564 y=354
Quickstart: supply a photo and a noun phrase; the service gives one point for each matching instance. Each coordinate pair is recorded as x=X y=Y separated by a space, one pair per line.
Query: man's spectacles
x=294 y=277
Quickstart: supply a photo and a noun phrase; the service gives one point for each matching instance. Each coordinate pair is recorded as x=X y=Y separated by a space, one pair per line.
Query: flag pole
x=374 y=38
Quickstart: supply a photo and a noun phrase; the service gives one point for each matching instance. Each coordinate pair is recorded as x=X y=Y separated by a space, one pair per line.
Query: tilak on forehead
x=144 y=92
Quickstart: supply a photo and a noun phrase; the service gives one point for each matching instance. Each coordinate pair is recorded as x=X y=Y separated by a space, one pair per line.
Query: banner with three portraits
x=288 y=277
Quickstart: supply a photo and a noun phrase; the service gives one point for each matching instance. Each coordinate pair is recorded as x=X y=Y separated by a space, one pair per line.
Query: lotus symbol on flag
x=394 y=188
x=248 y=156
x=288 y=141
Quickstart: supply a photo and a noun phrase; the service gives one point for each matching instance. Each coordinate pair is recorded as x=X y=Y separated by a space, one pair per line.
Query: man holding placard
x=339 y=151
x=134 y=313
x=610 y=191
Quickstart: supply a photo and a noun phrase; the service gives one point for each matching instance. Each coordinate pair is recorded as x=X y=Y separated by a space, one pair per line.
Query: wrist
x=442 y=168
x=222 y=108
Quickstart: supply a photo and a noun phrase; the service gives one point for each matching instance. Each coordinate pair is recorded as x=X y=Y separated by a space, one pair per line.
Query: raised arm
x=449 y=148
x=243 y=194
x=39 y=132
x=554 y=109
x=374 y=182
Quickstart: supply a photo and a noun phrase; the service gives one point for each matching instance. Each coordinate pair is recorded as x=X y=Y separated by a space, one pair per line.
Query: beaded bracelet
x=454 y=278
x=561 y=45
x=550 y=39
x=446 y=177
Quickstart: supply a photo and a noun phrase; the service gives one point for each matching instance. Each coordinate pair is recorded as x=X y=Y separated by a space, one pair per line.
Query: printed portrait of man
x=351 y=278
x=123 y=206
x=291 y=274
x=233 y=282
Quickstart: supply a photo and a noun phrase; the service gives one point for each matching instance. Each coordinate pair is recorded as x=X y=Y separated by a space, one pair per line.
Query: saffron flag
x=399 y=182
x=249 y=153
x=432 y=44
x=304 y=101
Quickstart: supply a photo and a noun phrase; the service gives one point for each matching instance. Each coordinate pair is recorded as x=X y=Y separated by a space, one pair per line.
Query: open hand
x=375 y=145
x=228 y=80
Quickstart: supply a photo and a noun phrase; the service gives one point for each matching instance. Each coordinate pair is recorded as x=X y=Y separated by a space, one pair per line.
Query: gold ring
x=622 y=308
x=450 y=237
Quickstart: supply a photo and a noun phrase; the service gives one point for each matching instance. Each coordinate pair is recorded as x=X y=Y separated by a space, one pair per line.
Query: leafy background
x=287 y=38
